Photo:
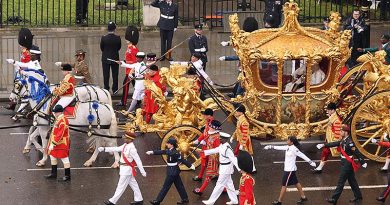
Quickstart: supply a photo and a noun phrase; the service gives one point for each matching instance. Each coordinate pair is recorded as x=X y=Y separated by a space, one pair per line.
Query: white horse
x=84 y=93
x=88 y=114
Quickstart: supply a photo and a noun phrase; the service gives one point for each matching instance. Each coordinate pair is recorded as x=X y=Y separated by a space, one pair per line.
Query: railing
x=48 y=13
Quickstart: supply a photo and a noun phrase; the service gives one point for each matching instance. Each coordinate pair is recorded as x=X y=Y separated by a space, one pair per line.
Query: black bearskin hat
x=132 y=34
x=250 y=24
x=245 y=162
x=25 y=38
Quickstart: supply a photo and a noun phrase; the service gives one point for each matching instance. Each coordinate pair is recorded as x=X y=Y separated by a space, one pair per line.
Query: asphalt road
x=21 y=182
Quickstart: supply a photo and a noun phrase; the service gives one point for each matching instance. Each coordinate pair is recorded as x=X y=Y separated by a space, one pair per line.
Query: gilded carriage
x=279 y=100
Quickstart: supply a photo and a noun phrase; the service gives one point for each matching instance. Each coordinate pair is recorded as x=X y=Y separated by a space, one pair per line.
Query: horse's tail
x=114 y=124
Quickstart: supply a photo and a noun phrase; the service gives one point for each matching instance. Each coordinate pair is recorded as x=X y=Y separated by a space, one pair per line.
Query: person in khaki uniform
x=242 y=133
x=80 y=68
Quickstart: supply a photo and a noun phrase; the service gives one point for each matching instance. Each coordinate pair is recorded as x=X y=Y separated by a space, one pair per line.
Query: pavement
x=21 y=182
x=60 y=45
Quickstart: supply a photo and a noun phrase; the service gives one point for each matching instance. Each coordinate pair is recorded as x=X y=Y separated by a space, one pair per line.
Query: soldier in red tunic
x=59 y=144
x=65 y=91
x=132 y=37
x=210 y=140
x=246 y=196
x=151 y=106
x=332 y=134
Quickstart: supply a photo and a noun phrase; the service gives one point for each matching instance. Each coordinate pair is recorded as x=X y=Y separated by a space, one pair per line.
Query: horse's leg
x=27 y=147
x=43 y=132
x=89 y=162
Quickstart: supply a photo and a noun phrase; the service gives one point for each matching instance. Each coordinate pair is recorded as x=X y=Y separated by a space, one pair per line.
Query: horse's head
x=19 y=90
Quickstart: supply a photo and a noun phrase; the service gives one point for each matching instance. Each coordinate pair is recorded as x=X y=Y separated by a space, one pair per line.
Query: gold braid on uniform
x=60 y=90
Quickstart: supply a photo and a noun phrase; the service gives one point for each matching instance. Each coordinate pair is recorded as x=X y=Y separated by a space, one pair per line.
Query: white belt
x=167 y=17
x=172 y=164
x=342 y=156
x=198 y=50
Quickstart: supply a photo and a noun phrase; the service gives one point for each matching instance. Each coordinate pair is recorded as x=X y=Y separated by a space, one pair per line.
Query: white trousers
x=224 y=181
x=125 y=180
x=65 y=101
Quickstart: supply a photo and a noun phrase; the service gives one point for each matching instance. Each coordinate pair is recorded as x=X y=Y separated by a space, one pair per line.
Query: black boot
x=67 y=175
x=53 y=174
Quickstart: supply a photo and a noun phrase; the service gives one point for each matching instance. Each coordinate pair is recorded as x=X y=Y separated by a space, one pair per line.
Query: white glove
x=175 y=29
x=203 y=49
x=313 y=164
x=202 y=142
x=149 y=152
x=58 y=64
x=374 y=141
x=10 y=61
x=231 y=140
x=51 y=147
x=166 y=93
x=241 y=147
x=320 y=146
x=364 y=165
x=196 y=142
x=100 y=149
x=268 y=147
x=142 y=95
x=143 y=174
x=192 y=167
x=222 y=58
x=224 y=43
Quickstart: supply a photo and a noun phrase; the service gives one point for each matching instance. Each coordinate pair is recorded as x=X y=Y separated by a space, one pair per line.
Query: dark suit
x=81 y=10
x=385 y=10
x=173 y=173
x=110 y=45
x=346 y=169
x=358 y=38
x=273 y=11
x=197 y=42
x=167 y=23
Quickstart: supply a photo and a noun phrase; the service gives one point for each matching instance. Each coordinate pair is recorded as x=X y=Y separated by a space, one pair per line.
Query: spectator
x=385 y=9
x=385 y=41
x=273 y=13
x=326 y=24
x=358 y=26
x=110 y=45
x=81 y=11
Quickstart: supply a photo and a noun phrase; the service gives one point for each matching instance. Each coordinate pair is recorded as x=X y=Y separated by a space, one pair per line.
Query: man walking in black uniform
x=81 y=11
x=198 y=44
x=348 y=165
x=110 y=45
x=167 y=24
x=173 y=172
x=273 y=13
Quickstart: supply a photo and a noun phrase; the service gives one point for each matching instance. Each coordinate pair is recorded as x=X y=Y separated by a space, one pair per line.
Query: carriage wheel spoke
x=360 y=91
x=368 y=117
x=372 y=137
x=369 y=128
x=194 y=157
x=377 y=150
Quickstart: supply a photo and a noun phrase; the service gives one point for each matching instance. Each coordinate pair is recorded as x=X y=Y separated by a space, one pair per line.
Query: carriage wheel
x=184 y=135
x=371 y=120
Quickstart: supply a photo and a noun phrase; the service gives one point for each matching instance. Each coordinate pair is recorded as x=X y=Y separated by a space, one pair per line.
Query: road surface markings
x=301 y=161
x=301 y=142
x=91 y=168
x=330 y=188
x=18 y=133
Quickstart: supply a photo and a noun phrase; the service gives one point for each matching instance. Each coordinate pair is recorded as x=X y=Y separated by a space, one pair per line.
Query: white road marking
x=18 y=133
x=301 y=161
x=91 y=168
x=301 y=142
x=330 y=188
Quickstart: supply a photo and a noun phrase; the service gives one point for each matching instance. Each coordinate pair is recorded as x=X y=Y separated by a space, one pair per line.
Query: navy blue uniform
x=195 y=44
x=173 y=173
x=346 y=170
x=167 y=23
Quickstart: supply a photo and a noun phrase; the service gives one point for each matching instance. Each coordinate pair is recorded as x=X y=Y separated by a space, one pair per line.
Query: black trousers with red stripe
x=386 y=193
x=125 y=90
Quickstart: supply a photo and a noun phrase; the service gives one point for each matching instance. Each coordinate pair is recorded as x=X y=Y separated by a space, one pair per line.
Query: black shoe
x=108 y=203
x=155 y=202
x=301 y=200
x=381 y=198
x=276 y=202
x=65 y=179
x=254 y=172
x=67 y=175
x=383 y=170
x=331 y=201
x=355 y=200
x=137 y=203
x=316 y=171
x=197 y=192
x=197 y=179
x=184 y=201
x=53 y=174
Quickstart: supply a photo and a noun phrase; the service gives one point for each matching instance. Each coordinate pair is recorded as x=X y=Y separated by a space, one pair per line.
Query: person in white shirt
x=129 y=159
x=226 y=162
x=137 y=73
x=298 y=84
x=289 y=178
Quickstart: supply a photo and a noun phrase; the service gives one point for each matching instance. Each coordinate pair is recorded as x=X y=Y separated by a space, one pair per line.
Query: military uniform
x=167 y=23
x=348 y=167
x=385 y=47
x=273 y=12
x=246 y=190
x=333 y=134
x=65 y=91
x=242 y=136
x=198 y=44
x=150 y=106
x=173 y=174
